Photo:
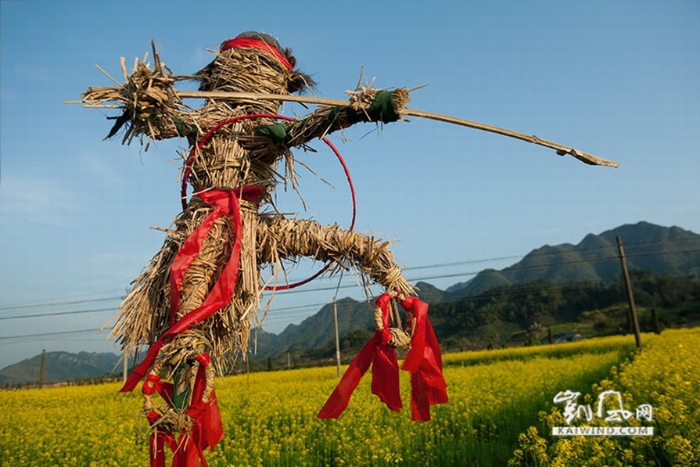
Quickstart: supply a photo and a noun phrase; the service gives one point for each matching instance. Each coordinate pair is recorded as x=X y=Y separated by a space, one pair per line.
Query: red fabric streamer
x=424 y=362
x=206 y=414
x=206 y=431
x=250 y=43
x=158 y=440
x=225 y=202
x=385 y=371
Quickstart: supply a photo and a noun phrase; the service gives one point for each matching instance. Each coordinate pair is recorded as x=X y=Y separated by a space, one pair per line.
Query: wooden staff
x=244 y=96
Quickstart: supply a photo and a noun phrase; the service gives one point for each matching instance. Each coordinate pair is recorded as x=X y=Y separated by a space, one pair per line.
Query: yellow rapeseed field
x=665 y=375
x=269 y=418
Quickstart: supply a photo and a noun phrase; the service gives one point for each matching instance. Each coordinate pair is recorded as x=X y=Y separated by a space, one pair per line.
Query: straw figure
x=197 y=300
x=201 y=292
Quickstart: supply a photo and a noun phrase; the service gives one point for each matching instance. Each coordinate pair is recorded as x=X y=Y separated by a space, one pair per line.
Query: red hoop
x=208 y=135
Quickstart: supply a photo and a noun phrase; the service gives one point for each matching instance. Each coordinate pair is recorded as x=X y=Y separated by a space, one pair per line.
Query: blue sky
x=616 y=79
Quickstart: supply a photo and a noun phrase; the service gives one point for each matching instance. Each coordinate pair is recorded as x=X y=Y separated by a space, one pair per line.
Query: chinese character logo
x=610 y=407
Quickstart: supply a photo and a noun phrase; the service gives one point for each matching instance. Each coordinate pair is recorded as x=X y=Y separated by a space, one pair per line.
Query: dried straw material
x=184 y=349
x=561 y=149
x=237 y=155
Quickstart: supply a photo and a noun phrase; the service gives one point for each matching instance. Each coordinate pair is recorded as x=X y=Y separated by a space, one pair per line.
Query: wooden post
x=337 y=336
x=126 y=364
x=42 y=371
x=655 y=323
x=630 y=296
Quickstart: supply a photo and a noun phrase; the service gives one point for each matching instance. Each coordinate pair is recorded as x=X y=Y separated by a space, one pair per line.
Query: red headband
x=247 y=42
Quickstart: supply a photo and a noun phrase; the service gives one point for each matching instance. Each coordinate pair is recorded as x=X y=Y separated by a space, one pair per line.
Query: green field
x=501 y=411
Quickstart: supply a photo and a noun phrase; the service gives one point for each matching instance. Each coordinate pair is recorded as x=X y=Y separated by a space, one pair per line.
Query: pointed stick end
x=588 y=158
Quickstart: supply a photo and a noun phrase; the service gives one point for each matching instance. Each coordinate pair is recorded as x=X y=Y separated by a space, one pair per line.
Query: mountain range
x=59 y=367
x=665 y=250
x=595 y=259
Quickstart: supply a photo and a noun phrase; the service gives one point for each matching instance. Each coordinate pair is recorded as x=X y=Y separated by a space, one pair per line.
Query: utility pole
x=337 y=336
x=42 y=372
x=125 y=358
x=630 y=296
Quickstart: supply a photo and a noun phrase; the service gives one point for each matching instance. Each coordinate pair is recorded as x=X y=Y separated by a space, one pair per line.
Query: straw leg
x=288 y=239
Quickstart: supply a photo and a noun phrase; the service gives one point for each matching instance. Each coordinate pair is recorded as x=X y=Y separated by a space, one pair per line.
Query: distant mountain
x=317 y=330
x=664 y=250
x=60 y=366
x=521 y=314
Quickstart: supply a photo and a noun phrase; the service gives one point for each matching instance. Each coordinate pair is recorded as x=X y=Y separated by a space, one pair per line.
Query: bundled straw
x=196 y=301
x=244 y=153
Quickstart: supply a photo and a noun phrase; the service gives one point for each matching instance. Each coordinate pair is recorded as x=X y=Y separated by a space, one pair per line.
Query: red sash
x=225 y=202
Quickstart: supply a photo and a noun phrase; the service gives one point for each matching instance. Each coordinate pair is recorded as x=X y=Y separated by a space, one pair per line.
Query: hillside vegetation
x=557 y=289
x=526 y=314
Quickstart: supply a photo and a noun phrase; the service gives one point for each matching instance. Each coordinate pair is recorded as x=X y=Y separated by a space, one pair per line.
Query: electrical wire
x=304 y=308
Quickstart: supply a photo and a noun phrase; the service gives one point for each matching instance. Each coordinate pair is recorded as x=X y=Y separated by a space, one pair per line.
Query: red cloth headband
x=247 y=42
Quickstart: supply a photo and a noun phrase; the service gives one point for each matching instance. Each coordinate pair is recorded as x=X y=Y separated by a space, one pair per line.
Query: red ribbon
x=250 y=43
x=157 y=442
x=385 y=371
x=159 y=438
x=424 y=362
x=206 y=430
x=225 y=202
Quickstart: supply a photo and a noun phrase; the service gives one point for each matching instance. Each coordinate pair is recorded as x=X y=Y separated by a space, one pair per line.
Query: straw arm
x=160 y=114
x=154 y=112
x=365 y=105
x=282 y=238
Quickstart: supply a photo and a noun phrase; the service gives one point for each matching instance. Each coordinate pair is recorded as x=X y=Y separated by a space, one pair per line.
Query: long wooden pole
x=560 y=148
x=246 y=96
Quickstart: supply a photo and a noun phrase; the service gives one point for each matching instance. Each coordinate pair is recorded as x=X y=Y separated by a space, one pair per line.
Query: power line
x=416 y=279
x=55 y=333
x=416 y=268
x=53 y=304
x=336 y=287
x=58 y=313
x=459 y=263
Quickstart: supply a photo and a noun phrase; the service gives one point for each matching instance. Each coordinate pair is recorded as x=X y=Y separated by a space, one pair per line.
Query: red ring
x=208 y=135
